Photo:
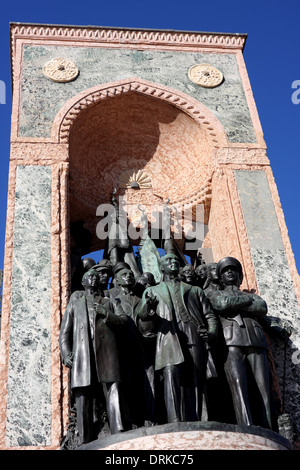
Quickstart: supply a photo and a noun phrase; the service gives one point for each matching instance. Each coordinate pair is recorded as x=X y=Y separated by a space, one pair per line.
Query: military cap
x=88 y=273
x=120 y=265
x=103 y=264
x=229 y=261
x=87 y=263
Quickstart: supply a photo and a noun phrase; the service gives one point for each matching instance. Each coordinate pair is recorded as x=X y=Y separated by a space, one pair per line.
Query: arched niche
x=120 y=130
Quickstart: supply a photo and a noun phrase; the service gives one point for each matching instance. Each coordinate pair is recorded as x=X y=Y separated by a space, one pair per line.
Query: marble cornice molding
x=127 y=35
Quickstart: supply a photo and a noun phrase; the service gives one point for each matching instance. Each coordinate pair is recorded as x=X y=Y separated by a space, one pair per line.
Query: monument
x=144 y=216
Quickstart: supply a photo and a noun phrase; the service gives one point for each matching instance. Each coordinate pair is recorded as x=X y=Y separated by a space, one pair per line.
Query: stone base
x=193 y=436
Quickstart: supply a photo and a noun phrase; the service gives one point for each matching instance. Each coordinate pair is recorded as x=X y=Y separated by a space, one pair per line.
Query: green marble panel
x=29 y=375
x=42 y=98
x=258 y=209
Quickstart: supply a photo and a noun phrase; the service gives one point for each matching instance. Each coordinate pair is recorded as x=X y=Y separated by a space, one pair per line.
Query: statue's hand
x=100 y=310
x=203 y=333
x=68 y=360
x=207 y=336
x=151 y=303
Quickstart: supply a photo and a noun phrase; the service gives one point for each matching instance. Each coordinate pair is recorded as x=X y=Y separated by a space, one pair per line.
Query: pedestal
x=191 y=436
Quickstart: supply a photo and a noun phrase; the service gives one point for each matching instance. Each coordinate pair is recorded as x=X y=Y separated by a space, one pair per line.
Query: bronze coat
x=168 y=348
x=240 y=322
x=92 y=340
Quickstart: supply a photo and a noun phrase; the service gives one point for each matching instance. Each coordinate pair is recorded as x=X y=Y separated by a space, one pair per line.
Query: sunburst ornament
x=135 y=180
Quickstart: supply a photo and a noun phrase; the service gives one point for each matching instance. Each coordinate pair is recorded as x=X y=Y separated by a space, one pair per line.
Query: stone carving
x=205 y=75
x=135 y=180
x=60 y=70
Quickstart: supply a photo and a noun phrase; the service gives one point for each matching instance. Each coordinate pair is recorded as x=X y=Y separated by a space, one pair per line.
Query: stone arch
x=201 y=114
x=71 y=128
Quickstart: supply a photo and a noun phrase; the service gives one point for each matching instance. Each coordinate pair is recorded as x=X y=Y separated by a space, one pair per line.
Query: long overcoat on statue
x=92 y=340
x=168 y=347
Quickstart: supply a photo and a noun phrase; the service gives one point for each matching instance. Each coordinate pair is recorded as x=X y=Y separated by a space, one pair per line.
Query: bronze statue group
x=190 y=347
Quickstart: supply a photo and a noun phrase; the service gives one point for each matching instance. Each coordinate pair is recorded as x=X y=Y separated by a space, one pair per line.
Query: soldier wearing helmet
x=241 y=314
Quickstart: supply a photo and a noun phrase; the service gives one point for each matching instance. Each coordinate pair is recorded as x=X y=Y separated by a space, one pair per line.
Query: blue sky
x=272 y=56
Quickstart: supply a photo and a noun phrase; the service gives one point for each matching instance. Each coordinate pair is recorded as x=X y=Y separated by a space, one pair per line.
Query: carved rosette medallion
x=60 y=70
x=205 y=75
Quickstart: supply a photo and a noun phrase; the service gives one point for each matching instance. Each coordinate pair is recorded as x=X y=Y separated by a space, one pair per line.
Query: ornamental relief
x=205 y=75
x=60 y=70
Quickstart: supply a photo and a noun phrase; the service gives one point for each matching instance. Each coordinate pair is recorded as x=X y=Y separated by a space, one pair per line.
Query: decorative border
x=67 y=115
x=120 y=35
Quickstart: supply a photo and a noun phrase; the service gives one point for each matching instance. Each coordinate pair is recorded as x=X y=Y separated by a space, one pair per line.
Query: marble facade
x=132 y=105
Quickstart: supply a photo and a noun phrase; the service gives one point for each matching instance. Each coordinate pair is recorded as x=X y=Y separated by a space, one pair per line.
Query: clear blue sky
x=272 y=56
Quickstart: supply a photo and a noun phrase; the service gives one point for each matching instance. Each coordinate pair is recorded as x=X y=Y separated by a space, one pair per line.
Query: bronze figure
x=181 y=355
x=240 y=314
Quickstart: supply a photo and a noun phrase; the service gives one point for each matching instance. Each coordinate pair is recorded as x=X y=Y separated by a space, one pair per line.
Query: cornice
x=127 y=35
